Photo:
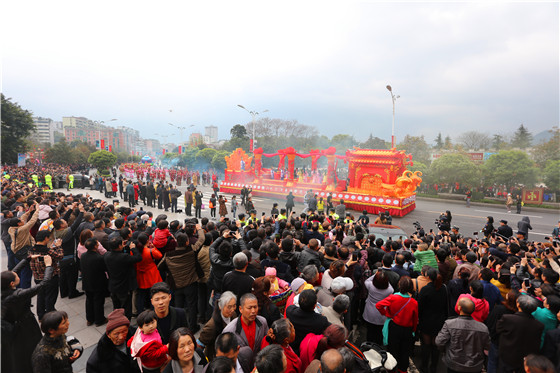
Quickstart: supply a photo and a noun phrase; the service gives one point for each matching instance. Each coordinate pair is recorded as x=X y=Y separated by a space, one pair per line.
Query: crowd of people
x=281 y=292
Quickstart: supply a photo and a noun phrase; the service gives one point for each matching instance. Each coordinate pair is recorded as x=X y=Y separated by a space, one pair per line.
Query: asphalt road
x=427 y=211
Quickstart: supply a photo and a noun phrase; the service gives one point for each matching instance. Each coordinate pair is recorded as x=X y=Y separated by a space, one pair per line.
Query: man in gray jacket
x=464 y=340
x=249 y=328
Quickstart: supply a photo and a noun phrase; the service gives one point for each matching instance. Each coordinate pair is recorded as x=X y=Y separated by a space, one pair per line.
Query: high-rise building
x=75 y=121
x=210 y=134
x=44 y=130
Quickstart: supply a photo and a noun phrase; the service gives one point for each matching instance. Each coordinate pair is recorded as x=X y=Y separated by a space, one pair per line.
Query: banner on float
x=21 y=157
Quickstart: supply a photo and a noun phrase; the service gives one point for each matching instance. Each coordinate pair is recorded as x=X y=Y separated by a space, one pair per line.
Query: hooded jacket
x=481 y=307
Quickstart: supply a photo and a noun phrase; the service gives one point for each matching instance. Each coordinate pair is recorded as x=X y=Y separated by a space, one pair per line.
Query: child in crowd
x=145 y=345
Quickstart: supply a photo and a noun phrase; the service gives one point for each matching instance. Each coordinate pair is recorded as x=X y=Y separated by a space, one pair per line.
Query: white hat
x=342 y=284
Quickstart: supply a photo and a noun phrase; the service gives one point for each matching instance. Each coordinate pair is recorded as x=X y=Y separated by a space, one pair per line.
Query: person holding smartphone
x=47 y=295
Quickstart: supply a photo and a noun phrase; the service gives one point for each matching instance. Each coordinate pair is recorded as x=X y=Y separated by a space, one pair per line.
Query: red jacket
x=147 y=273
x=481 y=307
x=160 y=237
x=407 y=317
x=152 y=354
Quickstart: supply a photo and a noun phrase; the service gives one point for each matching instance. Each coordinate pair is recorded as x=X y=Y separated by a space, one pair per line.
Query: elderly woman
x=378 y=288
x=185 y=356
x=223 y=314
x=20 y=330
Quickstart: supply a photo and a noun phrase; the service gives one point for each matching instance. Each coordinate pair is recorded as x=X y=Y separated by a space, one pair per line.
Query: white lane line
x=510 y=214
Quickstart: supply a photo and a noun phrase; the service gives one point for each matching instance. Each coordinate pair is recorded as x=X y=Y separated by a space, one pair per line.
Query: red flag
x=179 y=149
x=110 y=148
x=102 y=144
x=163 y=151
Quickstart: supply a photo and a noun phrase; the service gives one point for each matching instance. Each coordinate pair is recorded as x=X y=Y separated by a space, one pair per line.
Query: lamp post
x=98 y=124
x=394 y=98
x=253 y=116
x=181 y=129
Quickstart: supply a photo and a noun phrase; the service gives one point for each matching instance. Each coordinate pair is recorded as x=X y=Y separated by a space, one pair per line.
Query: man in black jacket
x=504 y=229
x=305 y=319
x=520 y=335
x=94 y=282
x=238 y=281
x=122 y=274
x=310 y=255
x=169 y=318
x=68 y=266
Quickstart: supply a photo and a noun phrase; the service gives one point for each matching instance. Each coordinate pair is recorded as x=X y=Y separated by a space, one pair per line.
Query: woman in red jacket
x=402 y=313
x=147 y=273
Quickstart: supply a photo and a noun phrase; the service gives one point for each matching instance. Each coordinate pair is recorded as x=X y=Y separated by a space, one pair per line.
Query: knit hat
x=297 y=283
x=116 y=319
x=270 y=271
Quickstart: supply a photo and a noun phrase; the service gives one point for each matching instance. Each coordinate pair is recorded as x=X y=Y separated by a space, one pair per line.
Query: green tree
x=455 y=167
x=551 y=175
x=447 y=144
x=547 y=151
x=17 y=125
x=204 y=157
x=510 y=168
x=439 y=142
x=102 y=159
x=498 y=142
x=373 y=143
x=239 y=132
x=522 y=138
x=60 y=153
x=417 y=146
x=343 y=142
x=219 y=160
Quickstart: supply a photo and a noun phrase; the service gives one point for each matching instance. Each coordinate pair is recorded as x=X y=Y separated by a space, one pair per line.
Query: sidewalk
x=76 y=308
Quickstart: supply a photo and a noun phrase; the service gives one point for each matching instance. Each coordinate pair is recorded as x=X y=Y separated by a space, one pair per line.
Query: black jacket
x=520 y=335
x=93 y=270
x=122 y=270
x=238 y=283
x=23 y=333
x=432 y=309
x=305 y=323
x=107 y=358
x=505 y=230
x=67 y=235
x=283 y=270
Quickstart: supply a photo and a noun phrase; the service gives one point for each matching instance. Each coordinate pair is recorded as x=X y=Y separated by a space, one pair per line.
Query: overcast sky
x=456 y=66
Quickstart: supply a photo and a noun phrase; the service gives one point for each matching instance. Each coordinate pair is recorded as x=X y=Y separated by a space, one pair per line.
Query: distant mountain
x=541 y=137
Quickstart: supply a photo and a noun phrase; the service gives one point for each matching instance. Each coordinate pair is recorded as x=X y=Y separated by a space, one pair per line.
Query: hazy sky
x=456 y=66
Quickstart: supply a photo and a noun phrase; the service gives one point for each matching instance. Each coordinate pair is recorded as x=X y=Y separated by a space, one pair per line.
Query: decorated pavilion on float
x=378 y=180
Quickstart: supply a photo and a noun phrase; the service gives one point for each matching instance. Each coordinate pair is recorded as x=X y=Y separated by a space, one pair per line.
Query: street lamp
x=394 y=98
x=181 y=129
x=98 y=124
x=253 y=115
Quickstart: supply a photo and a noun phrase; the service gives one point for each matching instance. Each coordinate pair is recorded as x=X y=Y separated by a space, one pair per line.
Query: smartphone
x=355 y=255
x=547 y=251
x=263 y=214
x=475 y=233
x=527 y=283
x=41 y=259
x=431 y=231
x=547 y=238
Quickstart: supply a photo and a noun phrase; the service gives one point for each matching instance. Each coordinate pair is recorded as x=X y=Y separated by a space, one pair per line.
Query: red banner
x=102 y=144
x=534 y=196
x=110 y=148
x=180 y=149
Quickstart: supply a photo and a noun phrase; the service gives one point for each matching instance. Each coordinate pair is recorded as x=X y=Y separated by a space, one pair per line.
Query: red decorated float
x=378 y=180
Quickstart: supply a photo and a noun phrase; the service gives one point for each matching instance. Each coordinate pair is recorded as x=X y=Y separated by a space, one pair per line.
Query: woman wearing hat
x=112 y=354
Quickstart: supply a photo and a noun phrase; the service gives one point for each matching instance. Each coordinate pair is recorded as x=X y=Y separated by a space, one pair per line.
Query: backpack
x=382 y=361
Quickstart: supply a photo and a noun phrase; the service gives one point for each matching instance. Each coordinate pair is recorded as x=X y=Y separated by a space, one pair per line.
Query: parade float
x=378 y=180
